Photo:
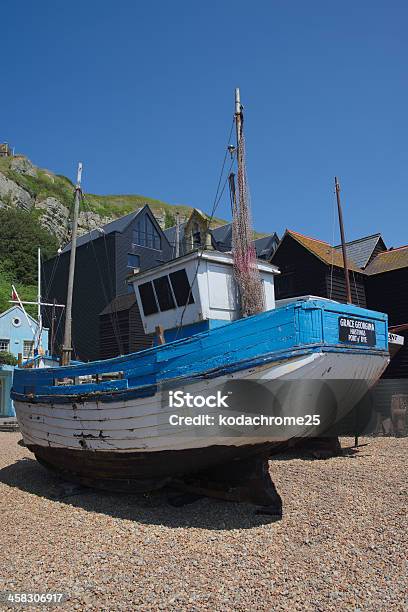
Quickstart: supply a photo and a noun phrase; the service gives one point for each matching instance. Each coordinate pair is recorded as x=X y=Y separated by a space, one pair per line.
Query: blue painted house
x=16 y=336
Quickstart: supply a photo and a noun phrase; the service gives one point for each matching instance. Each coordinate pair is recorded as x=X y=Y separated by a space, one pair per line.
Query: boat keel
x=242 y=480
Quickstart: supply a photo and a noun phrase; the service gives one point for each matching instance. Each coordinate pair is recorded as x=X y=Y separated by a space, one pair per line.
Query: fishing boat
x=114 y=423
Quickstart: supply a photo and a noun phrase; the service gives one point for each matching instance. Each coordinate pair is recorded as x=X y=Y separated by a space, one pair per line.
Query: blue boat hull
x=106 y=420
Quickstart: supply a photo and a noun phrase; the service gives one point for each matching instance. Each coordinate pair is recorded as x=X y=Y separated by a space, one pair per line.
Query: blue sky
x=143 y=94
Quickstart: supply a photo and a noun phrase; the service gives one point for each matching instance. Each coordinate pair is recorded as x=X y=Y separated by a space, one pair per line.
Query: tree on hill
x=20 y=236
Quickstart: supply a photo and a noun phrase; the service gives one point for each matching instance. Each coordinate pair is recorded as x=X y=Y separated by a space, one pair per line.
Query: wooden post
x=343 y=242
x=20 y=359
x=160 y=334
x=67 y=346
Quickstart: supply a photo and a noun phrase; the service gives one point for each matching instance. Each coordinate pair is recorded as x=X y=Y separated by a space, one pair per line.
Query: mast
x=343 y=242
x=67 y=348
x=39 y=298
x=251 y=292
x=238 y=119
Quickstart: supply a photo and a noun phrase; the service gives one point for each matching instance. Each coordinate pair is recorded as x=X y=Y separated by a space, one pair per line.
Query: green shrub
x=7 y=359
x=20 y=236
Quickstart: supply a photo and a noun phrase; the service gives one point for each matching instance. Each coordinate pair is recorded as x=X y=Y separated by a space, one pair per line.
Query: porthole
x=16 y=321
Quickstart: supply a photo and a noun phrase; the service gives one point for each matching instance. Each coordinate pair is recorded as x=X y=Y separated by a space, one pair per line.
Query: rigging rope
x=217 y=199
x=246 y=271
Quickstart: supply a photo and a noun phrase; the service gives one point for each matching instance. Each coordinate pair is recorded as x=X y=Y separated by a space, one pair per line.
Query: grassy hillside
x=46 y=184
x=21 y=234
x=43 y=185
x=25 y=292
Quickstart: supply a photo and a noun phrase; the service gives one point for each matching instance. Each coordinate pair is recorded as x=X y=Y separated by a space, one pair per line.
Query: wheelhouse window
x=164 y=294
x=181 y=287
x=148 y=299
x=145 y=234
x=133 y=261
x=28 y=349
x=4 y=345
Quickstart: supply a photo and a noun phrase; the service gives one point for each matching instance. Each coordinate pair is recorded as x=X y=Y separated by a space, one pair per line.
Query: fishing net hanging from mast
x=246 y=271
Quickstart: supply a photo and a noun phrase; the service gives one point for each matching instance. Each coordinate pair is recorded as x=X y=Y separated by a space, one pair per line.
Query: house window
x=4 y=345
x=152 y=235
x=163 y=292
x=148 y=299
x=145 y=234
x=133 y=261
x=181 y=287
x=28 y=349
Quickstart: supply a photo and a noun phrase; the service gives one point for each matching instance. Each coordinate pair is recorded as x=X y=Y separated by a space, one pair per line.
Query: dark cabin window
x=145 y=234
x=133 y=261
x=181 y=287
x=196 y=235
x=148 y=298
x=163 y=292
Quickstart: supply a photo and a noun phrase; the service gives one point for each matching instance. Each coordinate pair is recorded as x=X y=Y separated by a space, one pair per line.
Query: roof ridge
x=310 y=238
x=378 y=235
x=173 y=226
x=405 y=246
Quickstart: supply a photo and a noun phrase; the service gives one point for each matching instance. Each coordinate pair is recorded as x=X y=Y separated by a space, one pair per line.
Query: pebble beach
x=341 y=545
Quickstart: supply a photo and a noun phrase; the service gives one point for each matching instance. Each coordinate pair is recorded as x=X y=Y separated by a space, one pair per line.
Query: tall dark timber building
x=106 y=321
x=105 y=318
x=104 y=259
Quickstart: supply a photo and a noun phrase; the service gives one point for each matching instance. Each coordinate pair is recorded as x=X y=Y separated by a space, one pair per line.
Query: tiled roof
x=265 y=246
x=394 y=259
x=222 y=240
x=118 y=225
x=170 y=234
x=361 y=250
x=223 y=237
x=326 y=253
x=119 y=303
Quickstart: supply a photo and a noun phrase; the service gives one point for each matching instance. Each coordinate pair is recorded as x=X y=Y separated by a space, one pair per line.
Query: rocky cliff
x=49 y=198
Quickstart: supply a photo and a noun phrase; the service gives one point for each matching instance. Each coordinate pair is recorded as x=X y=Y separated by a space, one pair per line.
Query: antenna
x=177 y=244
x=238 y=116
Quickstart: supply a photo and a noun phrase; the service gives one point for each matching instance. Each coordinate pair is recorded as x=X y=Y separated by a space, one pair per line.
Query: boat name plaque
x=357 y=331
